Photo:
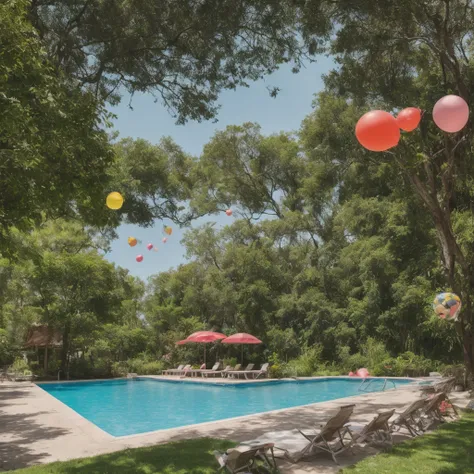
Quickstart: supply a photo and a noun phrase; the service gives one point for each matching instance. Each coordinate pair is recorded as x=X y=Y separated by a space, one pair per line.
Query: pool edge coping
x=111 y=437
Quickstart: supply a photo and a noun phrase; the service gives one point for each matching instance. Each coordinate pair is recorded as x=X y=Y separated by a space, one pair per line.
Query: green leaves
x=50 y=134
x=184 y=53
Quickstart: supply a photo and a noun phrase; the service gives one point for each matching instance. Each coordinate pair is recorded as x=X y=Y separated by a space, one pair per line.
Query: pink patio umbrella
x=241 y=338
x=202 y=337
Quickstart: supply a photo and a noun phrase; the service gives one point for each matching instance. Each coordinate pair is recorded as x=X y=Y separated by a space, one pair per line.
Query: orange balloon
x=168 y=230
x=132 y=241
x=408 y=119
x=377 y=131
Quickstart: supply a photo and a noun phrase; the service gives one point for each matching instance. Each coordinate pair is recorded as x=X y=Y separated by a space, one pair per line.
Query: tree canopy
x=184 y=53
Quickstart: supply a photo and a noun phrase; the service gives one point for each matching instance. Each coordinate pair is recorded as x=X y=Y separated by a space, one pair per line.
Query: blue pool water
x=125 y=407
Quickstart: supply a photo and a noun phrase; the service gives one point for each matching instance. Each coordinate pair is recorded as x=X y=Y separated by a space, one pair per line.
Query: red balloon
x=377 y=131
x=139 y=258
x=229 y=212
x=408 y=119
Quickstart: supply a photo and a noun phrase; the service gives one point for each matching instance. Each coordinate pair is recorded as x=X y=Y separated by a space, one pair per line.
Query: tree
x=50 y=134
x=393 y=54
x=73 y=287
x=260 y=174
x=156 y=181
x=183 y=52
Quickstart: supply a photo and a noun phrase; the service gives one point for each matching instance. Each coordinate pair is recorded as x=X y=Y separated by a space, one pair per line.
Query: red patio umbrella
x=241 y=338
x=202 y=337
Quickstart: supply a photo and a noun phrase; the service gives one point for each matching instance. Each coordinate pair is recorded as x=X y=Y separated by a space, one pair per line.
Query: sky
x=151 y=121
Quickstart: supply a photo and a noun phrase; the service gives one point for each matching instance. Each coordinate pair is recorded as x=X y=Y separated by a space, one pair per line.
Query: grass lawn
x=184 y=457
x=448 y=450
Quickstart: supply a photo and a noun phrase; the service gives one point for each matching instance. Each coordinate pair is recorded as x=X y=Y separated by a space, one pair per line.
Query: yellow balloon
x=168 y=230
x=114 y=201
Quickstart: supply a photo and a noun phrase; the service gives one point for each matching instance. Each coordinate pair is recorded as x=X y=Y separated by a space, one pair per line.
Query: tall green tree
x=72 y=287
x=393 y=54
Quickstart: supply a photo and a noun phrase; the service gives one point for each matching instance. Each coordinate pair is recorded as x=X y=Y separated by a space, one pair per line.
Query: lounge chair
x=263 y=371
x=183 y=371
x=377 y=431
x=445 y=385
x=172 y=371
x=229 y=372
x=243 y=458
x=238 y=373
x=215 y=372
x=410 y=418
x=215 y=367
x=432 y=410
x=329 y=438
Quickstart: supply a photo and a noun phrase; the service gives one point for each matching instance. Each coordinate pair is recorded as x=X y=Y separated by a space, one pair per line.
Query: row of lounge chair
x=230 y=372
x=12 y=376
x=338 y=435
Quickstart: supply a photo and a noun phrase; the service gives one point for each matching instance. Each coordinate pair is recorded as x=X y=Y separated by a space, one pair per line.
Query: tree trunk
x=45 y=362
x=459 y=274
x=65 y=348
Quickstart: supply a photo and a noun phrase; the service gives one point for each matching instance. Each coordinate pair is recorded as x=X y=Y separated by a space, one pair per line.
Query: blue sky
x=152 y=121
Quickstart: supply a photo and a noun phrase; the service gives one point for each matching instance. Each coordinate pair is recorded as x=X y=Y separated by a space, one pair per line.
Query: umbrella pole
x=204 y=353
x=242 y=355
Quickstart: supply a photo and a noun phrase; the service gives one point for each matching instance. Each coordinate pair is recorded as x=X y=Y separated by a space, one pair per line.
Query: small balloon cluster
x=378 y=130
x=115 y=200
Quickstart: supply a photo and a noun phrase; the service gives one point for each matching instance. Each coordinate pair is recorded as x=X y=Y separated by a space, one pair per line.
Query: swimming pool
x=125 y=407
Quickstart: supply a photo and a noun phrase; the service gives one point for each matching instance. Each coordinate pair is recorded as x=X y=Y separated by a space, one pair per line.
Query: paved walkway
x=36 y=428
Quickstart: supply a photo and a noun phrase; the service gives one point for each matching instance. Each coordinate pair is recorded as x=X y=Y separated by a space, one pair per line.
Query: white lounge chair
x=238 y=373
x=255 y=374
x=172 y=371
x=215 y=372
x=228 y=373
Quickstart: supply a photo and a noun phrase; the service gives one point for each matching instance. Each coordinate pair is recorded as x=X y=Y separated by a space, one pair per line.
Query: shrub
x=153 y=368
x=144 y=366
x=80 y=369
x=19 y=366
x=119 y=369
x=307 y=363
x=407 y=364
x=375 y=352
x=278 y=371
x=351 y=362
x=232 y=362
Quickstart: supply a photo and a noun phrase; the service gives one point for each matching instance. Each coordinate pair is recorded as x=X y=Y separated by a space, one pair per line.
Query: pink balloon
x=149 y=246
x=451 y=113
x=139 y=258
x=351 y=374
x=164 y=240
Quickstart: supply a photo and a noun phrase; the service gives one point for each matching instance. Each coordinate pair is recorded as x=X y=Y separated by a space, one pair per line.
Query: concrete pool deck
x=36 y=428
